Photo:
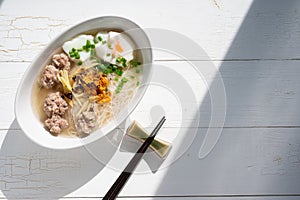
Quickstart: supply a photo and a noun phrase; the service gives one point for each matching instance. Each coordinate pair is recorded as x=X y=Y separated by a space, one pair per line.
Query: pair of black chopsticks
x=122 y=179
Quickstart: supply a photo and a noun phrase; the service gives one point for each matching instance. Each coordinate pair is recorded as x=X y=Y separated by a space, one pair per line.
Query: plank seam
x=202 y=127
x=177 y=60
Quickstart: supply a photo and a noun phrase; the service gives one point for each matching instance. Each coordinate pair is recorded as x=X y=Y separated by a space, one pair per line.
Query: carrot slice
x=119 y=48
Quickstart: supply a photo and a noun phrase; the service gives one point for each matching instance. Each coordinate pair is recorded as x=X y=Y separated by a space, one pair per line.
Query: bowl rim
x=74 y=142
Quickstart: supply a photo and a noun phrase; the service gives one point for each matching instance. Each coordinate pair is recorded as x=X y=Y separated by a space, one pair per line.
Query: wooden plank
x=259 y=93
x=247 y=161
x=9 y=80
x=18 y=22
x=206 y=198
x=224 y=29
x=196 y=198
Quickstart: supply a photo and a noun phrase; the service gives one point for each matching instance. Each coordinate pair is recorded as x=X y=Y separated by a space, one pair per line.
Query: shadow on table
x=220 y=172
x=33 y=171
x=29 y=170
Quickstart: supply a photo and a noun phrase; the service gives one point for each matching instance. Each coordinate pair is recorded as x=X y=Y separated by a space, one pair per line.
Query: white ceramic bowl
x=26 y=117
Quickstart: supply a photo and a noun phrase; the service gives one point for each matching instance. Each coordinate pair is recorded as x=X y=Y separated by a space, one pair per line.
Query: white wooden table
x=256 y=47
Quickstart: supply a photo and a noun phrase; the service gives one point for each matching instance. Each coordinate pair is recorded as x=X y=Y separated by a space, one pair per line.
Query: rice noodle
x=83 y=108
x=110 y=110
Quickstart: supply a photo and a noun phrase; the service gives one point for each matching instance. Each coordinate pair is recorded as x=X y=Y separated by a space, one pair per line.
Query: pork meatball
x=61 y=61
x=55 y=124
x=55 y=105
x=49 y=77
x=86 y=122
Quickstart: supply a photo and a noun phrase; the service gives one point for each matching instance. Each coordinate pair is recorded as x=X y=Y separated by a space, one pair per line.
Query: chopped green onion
x=132 y=77
x=92 y=46
x=73 y=49
x=88 y=43
x=71 y=54
x=103 y=42
x=109 y=70
x=124 y=80
x=137 y=71
x=93 y=53
x=77 y=56
x=119 y=88
x=134 y=63
x=119 y=72
x=137 y=83
x=122 y=60
x=86 y=48
x=115 y=67
x=109 y=46
x=80 y=63
x=118 y=60
x=79 y=50
x=99 y=38
x=102 y=67
x=116 y=79
x=108 y=54
x=95 y=40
